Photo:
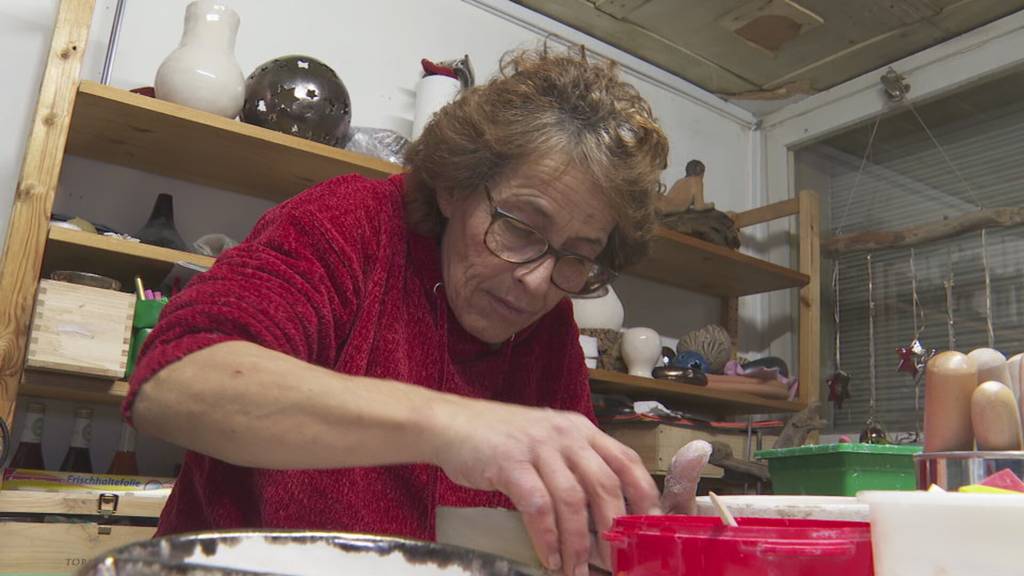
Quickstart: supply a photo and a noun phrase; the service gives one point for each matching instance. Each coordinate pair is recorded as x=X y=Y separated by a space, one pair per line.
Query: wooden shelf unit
x=72 y=387
x=119 y=259
x=120 y=127
x=686 y=396
x=687 y=262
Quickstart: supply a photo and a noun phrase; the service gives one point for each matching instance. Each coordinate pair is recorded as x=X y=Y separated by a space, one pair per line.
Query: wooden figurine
x=687 y=192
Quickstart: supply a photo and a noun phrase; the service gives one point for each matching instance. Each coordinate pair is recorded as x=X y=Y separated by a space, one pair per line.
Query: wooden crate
x=58 y=548
x=658 y=443
x=80 y=329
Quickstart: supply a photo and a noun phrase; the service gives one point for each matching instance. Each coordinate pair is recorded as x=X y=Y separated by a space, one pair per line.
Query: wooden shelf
x=686 y=262
x=72 y=387
x=686 y=396
x=143 y=133
x=120 y=259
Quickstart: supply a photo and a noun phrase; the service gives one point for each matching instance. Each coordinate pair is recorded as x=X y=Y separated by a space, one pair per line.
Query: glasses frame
x=597 y=291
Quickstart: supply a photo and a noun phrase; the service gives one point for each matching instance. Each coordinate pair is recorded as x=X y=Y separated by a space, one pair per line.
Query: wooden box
x=80 y=329
x=28 y=546
x=658 y=443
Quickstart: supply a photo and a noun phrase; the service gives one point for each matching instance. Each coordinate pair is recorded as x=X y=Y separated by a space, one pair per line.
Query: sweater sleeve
x=293 y=286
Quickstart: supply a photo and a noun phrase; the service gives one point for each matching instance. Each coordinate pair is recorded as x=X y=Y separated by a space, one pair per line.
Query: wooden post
x=37 y=185
x=730 y=318
x=810 y=297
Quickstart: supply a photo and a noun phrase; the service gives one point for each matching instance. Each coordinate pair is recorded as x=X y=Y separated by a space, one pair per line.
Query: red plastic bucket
x=703 y=546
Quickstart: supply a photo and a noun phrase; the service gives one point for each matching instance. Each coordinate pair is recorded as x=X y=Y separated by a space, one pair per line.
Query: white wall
x=375 y=47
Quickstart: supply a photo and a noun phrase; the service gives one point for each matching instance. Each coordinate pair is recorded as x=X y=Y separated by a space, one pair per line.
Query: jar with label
x=30 y=450
x=78 y=458
x=124 y=462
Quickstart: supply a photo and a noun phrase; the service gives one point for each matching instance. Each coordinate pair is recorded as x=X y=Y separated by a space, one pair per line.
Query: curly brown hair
x=544 y=103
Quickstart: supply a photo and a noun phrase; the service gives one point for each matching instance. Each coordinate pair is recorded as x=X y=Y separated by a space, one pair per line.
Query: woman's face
x=491 y=298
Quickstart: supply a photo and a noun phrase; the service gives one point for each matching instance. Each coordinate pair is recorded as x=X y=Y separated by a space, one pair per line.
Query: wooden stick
x=930 y=232
x=766 y=213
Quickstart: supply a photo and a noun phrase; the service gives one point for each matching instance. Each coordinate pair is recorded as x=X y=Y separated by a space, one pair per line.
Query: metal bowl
x=296 y=553
x=951 y=470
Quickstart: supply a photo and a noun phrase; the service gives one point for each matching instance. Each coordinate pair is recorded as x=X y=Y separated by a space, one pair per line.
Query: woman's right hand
x=556 y=467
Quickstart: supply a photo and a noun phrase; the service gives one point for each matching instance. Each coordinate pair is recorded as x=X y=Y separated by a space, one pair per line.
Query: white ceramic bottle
x=202 y=72
x=641 y=350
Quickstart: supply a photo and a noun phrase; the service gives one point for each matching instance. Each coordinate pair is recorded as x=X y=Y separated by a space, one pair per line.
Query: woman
x=369 y=335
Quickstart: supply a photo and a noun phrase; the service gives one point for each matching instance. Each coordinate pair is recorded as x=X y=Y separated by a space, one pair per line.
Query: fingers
x=530 y=496
x=680 y=495
x=604 y=495
x=638 y=487
x=570 y=504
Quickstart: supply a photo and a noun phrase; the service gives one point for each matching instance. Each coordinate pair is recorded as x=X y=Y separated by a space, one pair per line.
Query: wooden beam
x=730 y=318
x=766 y=213
x=810 y=297
x=37 y=185
x=930 y=232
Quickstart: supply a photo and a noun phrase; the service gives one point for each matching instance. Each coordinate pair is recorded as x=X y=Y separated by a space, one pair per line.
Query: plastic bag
x=380 y=143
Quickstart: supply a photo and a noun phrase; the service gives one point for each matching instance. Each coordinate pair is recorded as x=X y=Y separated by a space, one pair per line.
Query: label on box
x=51 y=481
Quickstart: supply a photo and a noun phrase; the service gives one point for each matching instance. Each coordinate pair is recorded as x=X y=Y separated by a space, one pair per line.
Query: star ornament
x=913 y=358
x=838 y=388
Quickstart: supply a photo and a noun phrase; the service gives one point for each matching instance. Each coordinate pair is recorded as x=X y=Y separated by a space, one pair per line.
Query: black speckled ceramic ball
x=301 y=96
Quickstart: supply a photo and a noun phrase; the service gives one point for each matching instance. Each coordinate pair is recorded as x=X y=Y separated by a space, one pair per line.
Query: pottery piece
x=712 y=342
x=301 y=96
x=641 y=349
x=202 y=72
x=605 y=312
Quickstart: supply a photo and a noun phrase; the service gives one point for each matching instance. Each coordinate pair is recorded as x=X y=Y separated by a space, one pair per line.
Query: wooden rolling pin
x=995 y=417
x=950 y=380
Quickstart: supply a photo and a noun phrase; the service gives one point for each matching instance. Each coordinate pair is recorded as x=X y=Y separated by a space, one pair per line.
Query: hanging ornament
x=874 y=432
x=838 y=388
x=988 y=292
x=839 y=381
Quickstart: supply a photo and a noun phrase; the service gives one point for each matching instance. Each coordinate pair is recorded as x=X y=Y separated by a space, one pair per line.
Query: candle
x=950 y=380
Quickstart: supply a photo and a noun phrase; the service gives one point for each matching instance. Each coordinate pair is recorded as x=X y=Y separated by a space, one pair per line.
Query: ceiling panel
x=742 y=46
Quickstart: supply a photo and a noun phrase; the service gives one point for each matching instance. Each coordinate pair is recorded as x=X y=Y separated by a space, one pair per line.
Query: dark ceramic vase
x=159 y=229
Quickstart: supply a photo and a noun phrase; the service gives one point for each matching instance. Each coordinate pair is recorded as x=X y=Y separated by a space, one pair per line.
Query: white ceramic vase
x=599 y=313
x=641 y=350
x=202 y=72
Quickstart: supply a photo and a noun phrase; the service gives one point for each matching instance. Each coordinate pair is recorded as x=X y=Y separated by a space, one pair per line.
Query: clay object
x=711 y=226
x=605 y=312
x=684 y=375
x=768 y=362
x=641 y=348
x=301 y=96
x=202 y=72
x=691 y=360
x=950 y=380
x=712 y=342
x=1014 y=367
x=609 y=357
x=800 y=426
x=687 y=192
x=159 y=230
x=995 y=418
x=991 y=365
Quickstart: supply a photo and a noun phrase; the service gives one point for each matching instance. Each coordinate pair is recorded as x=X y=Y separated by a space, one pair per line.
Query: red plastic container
x=703 y=546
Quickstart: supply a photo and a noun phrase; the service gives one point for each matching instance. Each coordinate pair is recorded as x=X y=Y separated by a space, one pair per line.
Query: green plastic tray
x=841 y=469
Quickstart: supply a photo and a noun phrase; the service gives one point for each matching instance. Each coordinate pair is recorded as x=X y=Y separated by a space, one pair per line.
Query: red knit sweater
x=334 y=277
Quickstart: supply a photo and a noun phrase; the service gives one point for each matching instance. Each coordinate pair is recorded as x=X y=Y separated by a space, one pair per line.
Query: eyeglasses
x=515 y=241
